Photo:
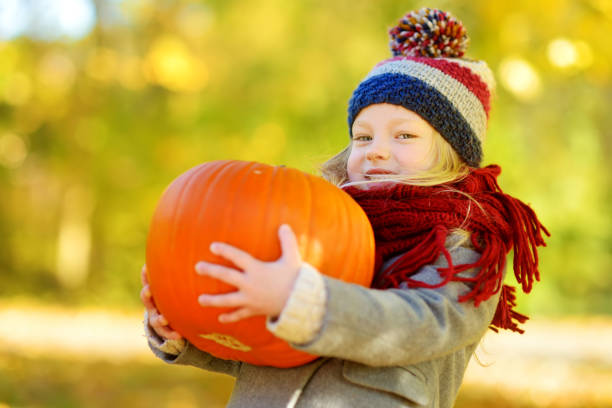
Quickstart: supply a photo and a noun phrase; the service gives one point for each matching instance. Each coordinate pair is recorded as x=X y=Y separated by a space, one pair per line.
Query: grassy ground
x=65 y=358
x=66 y=383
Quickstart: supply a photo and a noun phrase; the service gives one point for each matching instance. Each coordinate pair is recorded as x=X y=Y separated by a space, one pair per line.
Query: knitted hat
x=428 y=76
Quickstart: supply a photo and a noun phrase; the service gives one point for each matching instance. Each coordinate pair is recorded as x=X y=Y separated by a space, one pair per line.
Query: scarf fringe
x=505 y=317
x=526 y=230
x=526 y=235
x=505 y=224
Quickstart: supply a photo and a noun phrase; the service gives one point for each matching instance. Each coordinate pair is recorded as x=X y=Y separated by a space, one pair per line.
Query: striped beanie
x=428 y=76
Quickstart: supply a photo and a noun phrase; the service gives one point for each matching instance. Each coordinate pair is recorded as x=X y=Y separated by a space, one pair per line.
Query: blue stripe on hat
x=431 y=105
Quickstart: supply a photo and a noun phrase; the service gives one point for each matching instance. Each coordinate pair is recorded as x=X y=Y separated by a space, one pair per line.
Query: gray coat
x=381 y=348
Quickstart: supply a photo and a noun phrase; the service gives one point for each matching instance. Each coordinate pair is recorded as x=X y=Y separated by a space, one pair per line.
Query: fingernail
x=214 y=247
x=202 y=299
x=199 y=267
x=148 y=292
x=162 y=320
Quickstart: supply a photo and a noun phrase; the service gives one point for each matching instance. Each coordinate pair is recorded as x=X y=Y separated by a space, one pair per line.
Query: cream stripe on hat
x=463 y=100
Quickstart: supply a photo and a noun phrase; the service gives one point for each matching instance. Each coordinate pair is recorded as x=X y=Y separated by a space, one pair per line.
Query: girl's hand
x=156 y=320
x=263 y=287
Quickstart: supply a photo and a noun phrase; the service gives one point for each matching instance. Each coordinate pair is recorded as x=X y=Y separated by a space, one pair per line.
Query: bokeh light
x=46 y=20
x=57 y=72
x=520 y=78
x=13 y=150
x=18 y=89
x=564 y=53
x=173 y=66
x=14 y=18
x=74 y=239
x=102 y=64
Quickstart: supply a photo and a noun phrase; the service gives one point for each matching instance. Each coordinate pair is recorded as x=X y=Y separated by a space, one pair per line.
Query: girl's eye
x=406 y=136
x=362 y=138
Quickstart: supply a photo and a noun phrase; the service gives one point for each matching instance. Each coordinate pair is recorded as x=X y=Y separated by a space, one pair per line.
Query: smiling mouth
x=376 y=172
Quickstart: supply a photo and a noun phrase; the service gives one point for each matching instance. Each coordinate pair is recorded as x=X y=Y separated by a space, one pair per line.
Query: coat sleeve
x=188 y=354
x=401 y=326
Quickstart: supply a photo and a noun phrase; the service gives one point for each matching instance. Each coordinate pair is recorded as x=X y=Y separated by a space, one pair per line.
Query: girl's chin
x=371 y=185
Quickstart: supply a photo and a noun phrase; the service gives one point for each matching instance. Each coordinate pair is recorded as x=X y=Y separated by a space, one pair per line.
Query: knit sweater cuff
x=168 y=346
x=302 y=317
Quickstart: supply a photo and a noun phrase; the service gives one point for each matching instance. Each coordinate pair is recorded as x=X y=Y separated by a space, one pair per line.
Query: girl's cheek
x=352 y=159
x=352 y=170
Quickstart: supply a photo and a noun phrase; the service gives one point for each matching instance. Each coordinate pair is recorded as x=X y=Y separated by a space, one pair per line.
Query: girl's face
x=390 y=139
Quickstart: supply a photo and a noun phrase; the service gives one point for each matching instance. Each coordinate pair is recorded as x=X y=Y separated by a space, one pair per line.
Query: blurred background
x=105 y=102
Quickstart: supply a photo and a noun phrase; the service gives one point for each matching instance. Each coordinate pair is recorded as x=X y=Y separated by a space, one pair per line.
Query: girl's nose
x=377 y=153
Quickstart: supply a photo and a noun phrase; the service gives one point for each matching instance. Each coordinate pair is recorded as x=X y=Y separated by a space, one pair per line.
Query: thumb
x=289 y=245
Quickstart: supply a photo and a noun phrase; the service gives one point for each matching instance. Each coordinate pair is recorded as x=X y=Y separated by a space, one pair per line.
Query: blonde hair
x=448 y=167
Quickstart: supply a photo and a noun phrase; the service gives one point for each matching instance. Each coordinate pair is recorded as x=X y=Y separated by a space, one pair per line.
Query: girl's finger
x=153 y=313
x=161 y=320
x=238 y=257
x=146 y=298
x=143 y=275
x=239 y=314
x=289 y=244
x=159 y=324
x=166 y=332
x=173 y=335
x=232 y=299
x=223 y=273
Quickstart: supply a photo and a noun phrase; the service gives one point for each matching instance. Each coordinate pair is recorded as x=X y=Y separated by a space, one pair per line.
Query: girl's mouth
x=376 y=172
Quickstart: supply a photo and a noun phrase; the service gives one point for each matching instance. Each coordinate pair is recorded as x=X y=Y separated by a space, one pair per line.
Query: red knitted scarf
x=415 y=221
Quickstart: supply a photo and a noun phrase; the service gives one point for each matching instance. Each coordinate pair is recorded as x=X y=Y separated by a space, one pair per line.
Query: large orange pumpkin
x=243 y=204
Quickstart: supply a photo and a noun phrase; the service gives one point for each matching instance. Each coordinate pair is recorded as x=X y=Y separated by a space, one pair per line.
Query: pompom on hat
x=428 y=75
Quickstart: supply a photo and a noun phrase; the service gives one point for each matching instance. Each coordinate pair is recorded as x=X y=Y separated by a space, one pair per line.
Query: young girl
x=443 y=229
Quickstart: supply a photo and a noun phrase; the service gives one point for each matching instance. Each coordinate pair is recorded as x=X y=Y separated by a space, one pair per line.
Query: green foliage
x=91 y=131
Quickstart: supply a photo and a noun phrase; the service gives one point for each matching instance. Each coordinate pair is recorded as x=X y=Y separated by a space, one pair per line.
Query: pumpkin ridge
x=182 y=194
x=241 y=178
x=344 y=221
x=265 y=216
x=197 y=244
x=227 y=220
x=308 y=191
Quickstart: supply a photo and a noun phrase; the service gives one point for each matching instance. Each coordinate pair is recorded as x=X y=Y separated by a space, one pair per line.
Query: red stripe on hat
x=464 y=75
